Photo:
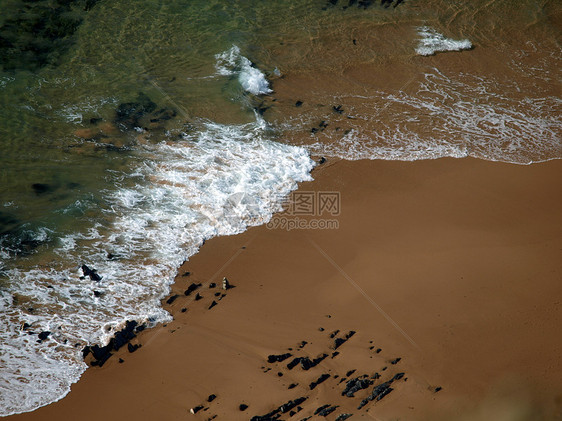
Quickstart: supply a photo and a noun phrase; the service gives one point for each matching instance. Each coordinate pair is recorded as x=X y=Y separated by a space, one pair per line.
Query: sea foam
x=433 y=42
x=232 y=62
x=446 y=116
x=217 y=180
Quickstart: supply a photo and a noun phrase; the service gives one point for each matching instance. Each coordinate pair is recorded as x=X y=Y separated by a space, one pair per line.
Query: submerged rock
x=41 y=188
x=128 y=114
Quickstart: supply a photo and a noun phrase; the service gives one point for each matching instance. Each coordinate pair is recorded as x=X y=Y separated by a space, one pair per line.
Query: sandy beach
x=447 y=271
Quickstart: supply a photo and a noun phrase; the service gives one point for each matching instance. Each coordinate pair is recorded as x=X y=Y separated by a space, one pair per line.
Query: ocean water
x=132 y=131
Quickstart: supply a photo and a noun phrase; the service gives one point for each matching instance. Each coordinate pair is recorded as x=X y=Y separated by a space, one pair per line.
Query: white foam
x=232 y=62
x=216 y=181
x=455 y=117
x=432 y=42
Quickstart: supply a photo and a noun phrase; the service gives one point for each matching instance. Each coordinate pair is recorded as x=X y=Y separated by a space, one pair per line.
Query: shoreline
x=432 y=262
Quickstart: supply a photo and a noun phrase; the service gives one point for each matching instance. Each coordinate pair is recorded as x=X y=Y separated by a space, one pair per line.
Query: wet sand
x=451 y=265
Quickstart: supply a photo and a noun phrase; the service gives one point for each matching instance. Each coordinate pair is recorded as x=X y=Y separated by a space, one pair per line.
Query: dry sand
x=452 y=265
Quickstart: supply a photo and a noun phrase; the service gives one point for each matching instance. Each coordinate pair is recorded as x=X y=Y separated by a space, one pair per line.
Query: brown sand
x=452 y=265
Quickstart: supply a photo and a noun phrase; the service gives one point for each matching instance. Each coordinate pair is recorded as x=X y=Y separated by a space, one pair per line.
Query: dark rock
x=340 y=341
x=172 y=299
x=313 y=130
x=183 y=310
x=121 y=360
x=283 y=409
x=397 y=376
x=98 y=293
x=211 y=398
x=278 y=358
x=343 y=417
x=100 y=354
x=377 y=394
x=217 y=294
x=334 y=333
x=378 y=350
x=44 y=335
x=320 y=162
x=243 y=407
x=198 y=297
x=321 y=329
x=335 y=354
x=196 y=409
x=140 y=328
x=395 y=361
x=286 y=407
x=95 y=120
x=261 y=109
x=305 y=362
x=132 y=348
x=437 y=389
x=293 y=363
x=124 y=335
x=279 y=374
x=293 y=385
x=226 y=284
x=212 y=285
x=355 y=385
x=214 y=303
x=320 y=379
x=298 y=103
x=325 y=410
x=186 y=274
x=302 y=344
x=349 y=373
x=191 y=288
